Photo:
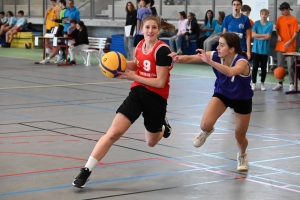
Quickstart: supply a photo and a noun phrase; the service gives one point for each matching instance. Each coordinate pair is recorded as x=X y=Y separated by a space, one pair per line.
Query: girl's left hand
x=203 y=55
x=127 y=74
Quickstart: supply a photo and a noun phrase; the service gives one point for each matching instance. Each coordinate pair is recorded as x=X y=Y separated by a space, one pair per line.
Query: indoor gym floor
x=51 y=118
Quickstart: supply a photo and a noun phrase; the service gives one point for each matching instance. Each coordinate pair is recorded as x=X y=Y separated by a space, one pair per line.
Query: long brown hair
x=233 y=41
x=126 y=7
x=221 y=17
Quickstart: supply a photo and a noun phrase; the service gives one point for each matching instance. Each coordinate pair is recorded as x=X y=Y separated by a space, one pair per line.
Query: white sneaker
x=262 y=87
x=46 y=61
x=292 y=87
x=201 y=137
x=242 y=162
x=277 y=87
x=253 y=86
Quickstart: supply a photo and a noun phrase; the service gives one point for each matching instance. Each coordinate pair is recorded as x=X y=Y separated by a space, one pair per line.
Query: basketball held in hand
x=112 y=63
x=279 y=72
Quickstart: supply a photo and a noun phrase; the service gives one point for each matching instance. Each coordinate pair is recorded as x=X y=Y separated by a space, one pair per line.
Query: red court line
x=19 y=143
x=39 y=154
x=75 y=167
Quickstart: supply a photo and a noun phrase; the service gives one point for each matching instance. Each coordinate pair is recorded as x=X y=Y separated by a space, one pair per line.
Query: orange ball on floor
x=279 y=72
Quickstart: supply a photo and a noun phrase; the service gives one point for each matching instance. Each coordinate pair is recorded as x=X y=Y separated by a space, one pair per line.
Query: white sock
x=91 y=163
x=47 y=50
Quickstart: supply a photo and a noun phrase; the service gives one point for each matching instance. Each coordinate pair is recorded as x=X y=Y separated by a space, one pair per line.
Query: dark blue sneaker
x=82 y=178
x=168 y=129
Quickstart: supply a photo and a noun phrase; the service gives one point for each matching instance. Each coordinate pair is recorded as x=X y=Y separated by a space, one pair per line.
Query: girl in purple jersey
x=232 y=89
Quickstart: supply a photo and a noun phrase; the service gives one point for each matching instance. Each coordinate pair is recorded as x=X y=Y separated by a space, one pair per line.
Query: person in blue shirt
x=232 y=89
x=21 y=22
x=218 y=30
x=261 y=34
x=3 y=19
x=71 y=13
x=239 y=24
x=209 y=24
x=11 y=21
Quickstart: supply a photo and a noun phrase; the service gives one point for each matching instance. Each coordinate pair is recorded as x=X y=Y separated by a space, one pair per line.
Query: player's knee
x=206 y=126
x=114 y=134
x=239 y=138
x=151 y=143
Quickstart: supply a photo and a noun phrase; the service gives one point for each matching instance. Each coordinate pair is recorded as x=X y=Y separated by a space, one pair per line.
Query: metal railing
x=115 y=9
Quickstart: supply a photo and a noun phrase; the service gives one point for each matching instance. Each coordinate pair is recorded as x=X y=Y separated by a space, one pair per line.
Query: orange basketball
x=279 y=72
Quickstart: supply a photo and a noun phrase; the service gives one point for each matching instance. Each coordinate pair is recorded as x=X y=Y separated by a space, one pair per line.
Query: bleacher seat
x=191 y=49
x=24 y=37
x=117 y=44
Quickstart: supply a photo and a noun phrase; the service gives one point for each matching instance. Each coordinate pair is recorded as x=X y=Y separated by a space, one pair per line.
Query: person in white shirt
x=181 y=30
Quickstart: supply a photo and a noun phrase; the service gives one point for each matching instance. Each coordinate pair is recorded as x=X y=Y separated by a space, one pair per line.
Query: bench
x=96 y=46
x=24 y=37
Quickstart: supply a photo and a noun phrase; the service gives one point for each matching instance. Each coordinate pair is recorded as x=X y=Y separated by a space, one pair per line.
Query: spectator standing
x=51 y=14
x=286 y=30
x=71 y=13
x=131 y=14
x=261 y=34
x=17 y=28
x=239 y=24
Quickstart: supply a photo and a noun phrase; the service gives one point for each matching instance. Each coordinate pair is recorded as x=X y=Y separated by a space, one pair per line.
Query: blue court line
x=276 y=159
x=109 y=181
x=17 y=115
x=57 y=101
x=230 y=130
x=283 y=183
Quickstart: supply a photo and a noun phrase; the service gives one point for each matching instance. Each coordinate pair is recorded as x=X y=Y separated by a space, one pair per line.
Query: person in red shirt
x=150 y=73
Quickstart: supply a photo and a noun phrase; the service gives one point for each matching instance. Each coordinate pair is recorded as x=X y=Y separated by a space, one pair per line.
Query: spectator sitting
x=181 y=30
x=209 y=24
x=218 y=30
x=81 y=41
x=3 y=19
x=11 y=22
x=17 y=28
x=60 y=59
x=192 y=31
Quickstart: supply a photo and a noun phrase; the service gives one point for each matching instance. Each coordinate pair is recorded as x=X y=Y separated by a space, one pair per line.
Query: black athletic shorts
x=151 y=105
x=239 y=106
x=137 y=39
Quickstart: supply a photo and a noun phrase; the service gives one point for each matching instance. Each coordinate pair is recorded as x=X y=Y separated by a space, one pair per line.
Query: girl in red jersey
x=148 y=96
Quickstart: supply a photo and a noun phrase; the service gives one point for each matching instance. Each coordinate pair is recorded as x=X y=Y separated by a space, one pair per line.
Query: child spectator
x=17 y=28
x=181 y=30
x=3 y=19
x=261 y=33
x=11 y=22
x=191 y=33
x=286 y=30
x=239 y=24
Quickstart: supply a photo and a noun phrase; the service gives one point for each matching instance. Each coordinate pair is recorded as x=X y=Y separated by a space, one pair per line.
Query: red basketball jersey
x=146 y=67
